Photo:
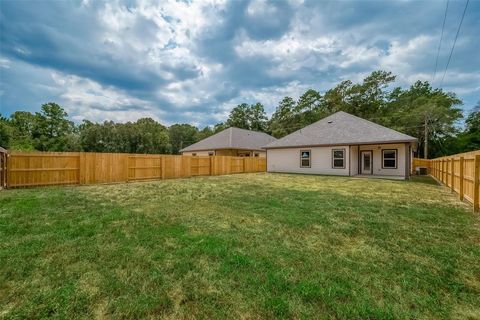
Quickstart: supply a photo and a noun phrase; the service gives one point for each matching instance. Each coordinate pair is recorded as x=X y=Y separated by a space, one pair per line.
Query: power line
x=454 y=42
x=440 y=43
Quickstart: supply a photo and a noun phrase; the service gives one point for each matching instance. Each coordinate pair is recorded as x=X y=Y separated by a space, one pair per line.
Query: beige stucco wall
x=377 y=159
x=226 y=152
x=288 y=160
x=353 y=160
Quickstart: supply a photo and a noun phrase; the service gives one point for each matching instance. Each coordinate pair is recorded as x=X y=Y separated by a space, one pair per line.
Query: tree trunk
x=425 y=146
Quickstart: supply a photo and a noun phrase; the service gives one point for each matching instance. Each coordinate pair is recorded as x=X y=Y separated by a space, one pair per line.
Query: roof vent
x=330 y=121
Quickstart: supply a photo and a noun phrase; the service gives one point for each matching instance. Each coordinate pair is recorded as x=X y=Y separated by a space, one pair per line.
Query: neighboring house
x=343 y=144
x=231 y=142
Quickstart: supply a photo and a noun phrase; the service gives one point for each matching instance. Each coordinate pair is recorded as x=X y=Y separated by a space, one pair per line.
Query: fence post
x=81 y=168
x=211 y=165
x=440 y=168
x=443 y=171
x=447 y=167
x=3 y=174
x=2 y=170
x=453 y=174
x=446 y=172
x=445 y=178
x=187 y=164
x=460 y=187
x=126 y=167
x=8 y=165
x=163 y=167
x=476 y=183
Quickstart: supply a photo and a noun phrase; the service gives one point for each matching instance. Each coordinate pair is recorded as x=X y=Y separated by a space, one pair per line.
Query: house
x=231 y=142
x=343 y=144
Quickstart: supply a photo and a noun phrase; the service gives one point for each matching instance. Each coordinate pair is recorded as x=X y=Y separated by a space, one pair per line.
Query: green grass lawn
x=240 y=246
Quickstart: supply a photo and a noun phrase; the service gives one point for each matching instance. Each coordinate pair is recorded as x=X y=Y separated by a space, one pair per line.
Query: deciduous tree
x=51 y=127
x=181 y=136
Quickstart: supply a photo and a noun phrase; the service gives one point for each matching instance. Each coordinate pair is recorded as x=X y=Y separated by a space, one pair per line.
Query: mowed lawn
x=242 y=246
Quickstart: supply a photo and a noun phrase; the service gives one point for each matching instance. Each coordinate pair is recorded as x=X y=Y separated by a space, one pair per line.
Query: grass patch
x=240 y=246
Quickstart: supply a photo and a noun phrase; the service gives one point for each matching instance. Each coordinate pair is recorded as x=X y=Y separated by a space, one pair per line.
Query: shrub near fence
x=459 y=172
x=56 y=168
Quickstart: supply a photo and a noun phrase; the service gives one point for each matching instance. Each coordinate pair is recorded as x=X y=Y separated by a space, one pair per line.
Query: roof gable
x=339 y=129
x=232 y=138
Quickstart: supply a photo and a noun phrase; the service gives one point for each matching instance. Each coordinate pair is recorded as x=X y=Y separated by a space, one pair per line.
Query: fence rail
x=26 y=169
x=459 y=172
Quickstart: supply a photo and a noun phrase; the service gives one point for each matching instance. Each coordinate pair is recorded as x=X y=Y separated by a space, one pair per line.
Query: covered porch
x=384 y=161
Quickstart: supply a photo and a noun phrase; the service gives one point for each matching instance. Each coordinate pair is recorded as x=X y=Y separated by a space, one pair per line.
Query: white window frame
x=343 y=158
x=396 y=159
x=309 y=158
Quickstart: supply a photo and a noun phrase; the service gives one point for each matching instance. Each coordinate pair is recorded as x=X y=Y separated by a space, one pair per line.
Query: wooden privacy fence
x=421 y=163
x=25 y=169
x=459 y=172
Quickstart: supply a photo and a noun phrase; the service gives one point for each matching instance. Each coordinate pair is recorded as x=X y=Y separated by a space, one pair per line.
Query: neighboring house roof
x=340 y=128
x=232 y=138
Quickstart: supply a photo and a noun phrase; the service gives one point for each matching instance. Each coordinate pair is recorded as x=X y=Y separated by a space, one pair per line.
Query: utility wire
x=440 y=43
x=454 y=42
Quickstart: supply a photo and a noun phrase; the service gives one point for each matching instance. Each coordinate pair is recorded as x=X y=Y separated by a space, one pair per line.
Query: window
x=257 y=154
x=389 y=159
x=304 y=158
x=210 y=153
x=338 y=158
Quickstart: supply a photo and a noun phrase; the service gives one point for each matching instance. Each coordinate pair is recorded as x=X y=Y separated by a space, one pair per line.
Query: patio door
x=366 y=162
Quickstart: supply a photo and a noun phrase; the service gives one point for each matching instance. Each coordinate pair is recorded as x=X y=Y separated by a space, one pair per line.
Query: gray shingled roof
x=232 y=138
x=340 y=128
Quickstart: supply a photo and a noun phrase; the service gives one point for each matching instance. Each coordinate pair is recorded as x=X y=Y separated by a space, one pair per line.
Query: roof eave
x=342 y=144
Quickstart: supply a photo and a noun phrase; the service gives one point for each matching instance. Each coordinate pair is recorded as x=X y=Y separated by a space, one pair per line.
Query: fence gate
x=3 y=168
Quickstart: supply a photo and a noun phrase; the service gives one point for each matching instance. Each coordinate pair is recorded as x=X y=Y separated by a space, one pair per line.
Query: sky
x=193 y=61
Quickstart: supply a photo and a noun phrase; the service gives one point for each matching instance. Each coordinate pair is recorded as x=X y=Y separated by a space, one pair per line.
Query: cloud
x=86 y=99
x=192 y=61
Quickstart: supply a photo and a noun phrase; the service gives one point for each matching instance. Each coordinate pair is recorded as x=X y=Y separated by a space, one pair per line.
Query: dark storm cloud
x=189 y=64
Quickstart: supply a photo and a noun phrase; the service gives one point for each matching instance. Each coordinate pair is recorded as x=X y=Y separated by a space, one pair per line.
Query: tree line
x=431 y=115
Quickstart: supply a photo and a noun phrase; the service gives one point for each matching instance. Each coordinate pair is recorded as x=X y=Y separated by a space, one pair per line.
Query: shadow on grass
x=424 y=180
